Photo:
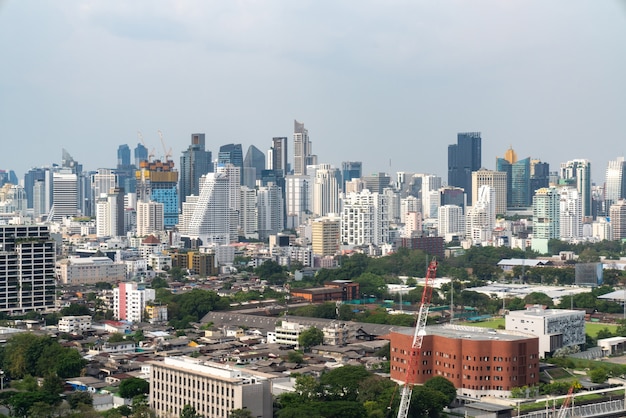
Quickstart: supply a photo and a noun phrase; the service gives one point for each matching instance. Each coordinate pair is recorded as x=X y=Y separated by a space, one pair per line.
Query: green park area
x=591 y=328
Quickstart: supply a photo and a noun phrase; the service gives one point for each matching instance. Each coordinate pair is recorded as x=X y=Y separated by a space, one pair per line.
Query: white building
x=270 y=211
x=90 y=270
x=248 y=215
x=130 y=300
x=480 y=219
x=150 y=218
x=615 y=181
x=451 y=222
x=74 y=324
x=299 y=201
x=286 y=333
x=326 y=187
x=364 y=219
x=570 y=216
x=556 y=328
x=212 y=216
x=213 y=389
x=64 y=195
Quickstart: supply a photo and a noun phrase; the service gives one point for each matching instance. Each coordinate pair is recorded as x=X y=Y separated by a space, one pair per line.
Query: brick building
x=337 y=290
x=479 y=362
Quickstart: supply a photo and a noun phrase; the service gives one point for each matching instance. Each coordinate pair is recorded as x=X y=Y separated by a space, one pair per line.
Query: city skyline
x=388 y=85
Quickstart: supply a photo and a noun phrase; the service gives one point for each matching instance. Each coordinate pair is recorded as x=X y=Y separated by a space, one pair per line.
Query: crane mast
x=418 y=338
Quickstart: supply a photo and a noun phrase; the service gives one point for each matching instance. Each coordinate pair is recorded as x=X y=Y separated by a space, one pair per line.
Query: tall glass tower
x=463 y=158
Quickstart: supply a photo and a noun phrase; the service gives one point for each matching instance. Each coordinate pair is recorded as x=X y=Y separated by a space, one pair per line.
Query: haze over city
x=389 y=84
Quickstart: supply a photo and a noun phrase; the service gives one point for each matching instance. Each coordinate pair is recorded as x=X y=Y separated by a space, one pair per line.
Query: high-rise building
x=140 y=154
x=130 y=300
x=212 y=216
x=518 y=179
x=299 y=202
x=125 y=170
x=157 y=181
x=123 y=155
x=248 y=215
x=430 y=194
x=101 y=184
x=546 y=218
x=64 y=195
x=232 y=154
x=377 y=182
x=44 y=196
x=270 y=210
x=539 y=176
x=194 y=163
x=277 y=156
x=578 y=173
x=364 y=219
x=253 y=166
x=27 y=269
x=615 y=188
x=451 y=195
x=450 y=222
x=570 y=214
x=350 y=170
x=149 y=218
x=326 y=187
x=110 y=214
x=497 y=181
x=302 y=150
x=480 y=219
x=463 y=158
x=617 y=213
x=325 y=235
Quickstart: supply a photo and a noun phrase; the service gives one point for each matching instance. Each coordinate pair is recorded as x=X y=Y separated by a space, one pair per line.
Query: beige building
x=325 y=235
x=90 y=270
x=497 y=181
x=213 y=389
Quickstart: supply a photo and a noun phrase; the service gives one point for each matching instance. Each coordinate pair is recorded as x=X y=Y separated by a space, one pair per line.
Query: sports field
x=591 y=328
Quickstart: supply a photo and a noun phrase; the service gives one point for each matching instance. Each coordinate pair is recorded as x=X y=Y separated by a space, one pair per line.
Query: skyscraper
x=497 y=181
x=326 y=186
x=101 y=184
x=451 y=222
x=617 y=212
x=578 y=173
x=463 y=158
x=253 y=166
x=364 y=219
x=270 y=210
x=141 y=154
x=350 y=170
x=546 y=218
x=125 y=169
x=518 y=179
x=480 y=219
x=302 y=149
x=123 y=155
x=64 y=195
x=212 y=216
x=232 y=154
x=570 y=214
x=157 y=181
x=194 y=163
x=615 y=188
x=278 y=155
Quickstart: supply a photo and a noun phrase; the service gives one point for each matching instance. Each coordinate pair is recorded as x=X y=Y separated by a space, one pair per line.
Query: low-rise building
x=556 y=328
x=213 y=389
x=90 y=270
x=130 y=301
x=479 y=362
x=74 y=324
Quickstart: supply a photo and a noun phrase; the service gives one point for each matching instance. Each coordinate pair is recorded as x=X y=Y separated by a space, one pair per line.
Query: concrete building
x=364 y=219
x=64 y=195
x=546 y=218
x=326 y=235
x=451 y=222
x=617 y=214
x=212 y=216
x=213 y=389
x=615 y=186
x=248 y=215
x=157 y=181
x=130 y=301
x=90 y=270
x=101 y=183
x=74 y=324
x=286 y=334
x=270 y=211
x=480 y=219
x=464 y=157
x=302 y=150
x=479 y=362
x=555 y=328
x=195 y=162
x=497 y=181
x=570 y=214
x=27 y=267
x=299 y=199
x=150 y=218
x=577 y=173
x=326 y=188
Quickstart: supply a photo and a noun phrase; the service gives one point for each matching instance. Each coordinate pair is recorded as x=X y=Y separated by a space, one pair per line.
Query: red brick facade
x=476 y=363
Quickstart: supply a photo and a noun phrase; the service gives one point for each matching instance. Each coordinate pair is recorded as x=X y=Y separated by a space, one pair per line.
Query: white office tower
x=248 y=215
x=481 y=217
x=212 y=216
x=270 y=210
x=234 y=183
x=64 y=195
x=497 y=181
x=546 y=218
x=364 y=219
x=110 y=214
x=615 y=186
x=149 y=218
x=430 y=195
x=189 y=205
x=578 y=173
x=101 y=182
x=450 y=222
x=13 y=199
x=355 y=186
x=570 y=208
x=299 y=201
x=326 y=187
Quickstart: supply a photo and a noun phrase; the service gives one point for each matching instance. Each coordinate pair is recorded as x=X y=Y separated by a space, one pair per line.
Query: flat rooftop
x=472 y=333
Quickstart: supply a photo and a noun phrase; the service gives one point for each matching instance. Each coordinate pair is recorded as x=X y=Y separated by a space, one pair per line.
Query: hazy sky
x=387 y=82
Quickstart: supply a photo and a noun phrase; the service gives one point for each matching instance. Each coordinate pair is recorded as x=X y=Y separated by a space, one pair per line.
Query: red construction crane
x=418 y=337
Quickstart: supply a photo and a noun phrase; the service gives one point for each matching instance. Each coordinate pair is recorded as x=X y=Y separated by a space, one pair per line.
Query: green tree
x=240 y=413
x=189 y=411
x=443 y=385
x=52 y=384
x=295 y=357
x=308 y=387
x=75 y=309
x=343 y=382
x=77 y=398
x=371 y=284
x=159 y=283
x=310 y=337
x=427 y=402
x=116 y=337
x=130 y=388
x=598 y=375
